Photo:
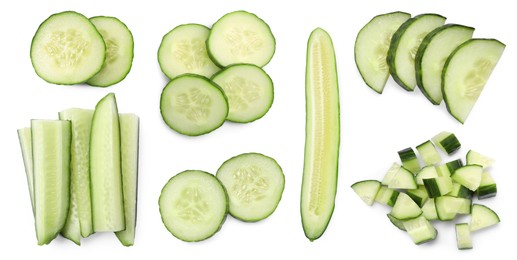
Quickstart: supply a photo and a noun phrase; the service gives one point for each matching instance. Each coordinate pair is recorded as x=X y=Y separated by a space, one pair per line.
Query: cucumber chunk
x=466 y=72
x=392 y=171
x=474 y=157
x=386 y=196
x=487 y=188
x=396 y=222
x=468 y=176
x=409 y=160
x=405 y=208
x=447 y=142
x=427 y=172
x=418 y=195
x=447 y=207
x=67 y=49
x=428 y=153
x=429 y=210
x=367 y=190
x=404 y=179
x=438 y=186
x=460 y=191
x=463 y=239
x=482 y=217
x=420 y=230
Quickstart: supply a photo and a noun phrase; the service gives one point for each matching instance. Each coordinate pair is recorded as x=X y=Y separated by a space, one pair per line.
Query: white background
x=374 y=127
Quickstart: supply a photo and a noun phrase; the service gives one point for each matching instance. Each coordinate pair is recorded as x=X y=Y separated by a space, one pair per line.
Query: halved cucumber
x=193 y=105
x=432 y=54
x=371 y=48
x=67 y=49
x=193 y=205
x=119 y=51
x=404 y=46
x=320 y=169
x=249 y=90
x=466 y=72
x=183 y=50
x=241 y=37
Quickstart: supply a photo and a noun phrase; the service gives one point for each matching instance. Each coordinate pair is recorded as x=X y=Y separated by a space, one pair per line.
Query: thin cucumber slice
x=409 y=160
x=487 y=188
x=183 y=50
x=432 y=54
x=468 y=176
x=67 y=49
x=249 y=90
x=463 y=239
x=320 y=169
x=193 y=205
x=420 y=230
x=405 y=208
x=371 y=48
x=129 y=136
x=241 y=37
x=254 y=183
x=193 y=105
x=25 y=139
x=51 y=165
x=386 y=196
x=428 y=153
x=482 y=217
x=367 y=190
x=474 y=157
x=466 y=72
x=404 y=46
x=105 y=167
x=119 y=51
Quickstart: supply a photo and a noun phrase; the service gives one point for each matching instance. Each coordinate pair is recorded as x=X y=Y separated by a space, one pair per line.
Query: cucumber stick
x=24 y=136
x=320 y=169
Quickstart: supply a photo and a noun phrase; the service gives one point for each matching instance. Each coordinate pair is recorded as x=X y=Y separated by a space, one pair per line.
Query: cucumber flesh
x=469 y=176
x=482 y=217
x=25 y=139
x=474 y=157
x=367 y=190
x=463 y=238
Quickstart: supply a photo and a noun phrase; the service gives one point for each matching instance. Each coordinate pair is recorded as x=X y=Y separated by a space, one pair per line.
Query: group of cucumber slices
x=436 y=191
x=82 y=172
x=444 y=61
x=69 y=48
x=194 y=204
x=216 y=73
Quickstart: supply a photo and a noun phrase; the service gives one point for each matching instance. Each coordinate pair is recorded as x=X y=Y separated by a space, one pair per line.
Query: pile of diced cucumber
x=216 y=73
x=443 y=60
x=82 y=172
x=422 y=189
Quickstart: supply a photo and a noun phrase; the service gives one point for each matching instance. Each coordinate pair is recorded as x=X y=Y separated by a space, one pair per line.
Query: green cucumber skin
x=451 y=144
x=487 y=191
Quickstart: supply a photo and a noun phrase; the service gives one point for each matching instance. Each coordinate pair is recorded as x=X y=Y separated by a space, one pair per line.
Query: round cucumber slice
x=249 y=90
x=193 y=105
x=193 y=205
x=254 y=183
x=67 y=49
x=119 y=51
x=241 y=37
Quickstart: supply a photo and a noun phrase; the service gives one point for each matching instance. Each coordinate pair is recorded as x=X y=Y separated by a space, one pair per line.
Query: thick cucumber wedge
x=371 y=48
x=404 y=46
x=432 y=54
x=466 y=72
x=51 y=161
x=241 y=37
x=119 y=51
x=129 y=133
x=320 y=170
x=105 y=167
x=67 y=49
x=24 y=136
x=183 y=50
x=193 y=205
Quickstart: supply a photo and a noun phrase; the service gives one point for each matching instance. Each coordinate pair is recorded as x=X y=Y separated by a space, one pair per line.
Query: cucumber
x=432 y=54
x=463 y=238
x=447 y=142
x=404 y=46
x=25 y=139
x=447 y=207
x=428 y=153
x=193 y=105
x=438 y=186
x=468 y=176
x=371 y=48
x=193 y=205
x=392 y=171
x=119 y=51
x=474 y=157
x=249 y=90
x=396 y=222
x=426 y=173
x=405 y=208
x=240 y=37
x=320 y=170
x=367 y=190
x=183 y=50
x=403 y=179
x=487 y=188
x=482 y=217
x=420 y=230
x=105 y=167
x=254 y=183
x=418 y=195
x=466 y=72
x=429 y=210
x=67 y=49
x=51 y=167
x=409 y=160
x=460 y=191
x=386 y=196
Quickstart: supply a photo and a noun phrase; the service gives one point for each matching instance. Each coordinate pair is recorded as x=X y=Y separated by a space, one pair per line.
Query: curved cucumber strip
x=466 y=72
x=67 y=49
x=249 y=90
x=24 y=136
x=371 y=48
x=432 y=54
x=320 y=167
x=119 y=51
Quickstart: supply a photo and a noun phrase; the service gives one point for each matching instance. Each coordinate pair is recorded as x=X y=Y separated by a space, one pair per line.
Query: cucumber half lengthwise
x=320 y=170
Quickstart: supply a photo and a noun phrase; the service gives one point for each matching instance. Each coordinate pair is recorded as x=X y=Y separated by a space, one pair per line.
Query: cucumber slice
x=409 y=160
x=67 y=49
x=241 y=37
x=474 y=157
x=432 y=54
x=463 y=239
x=428 y=153
x=193 y=205
x=386 y=196
x=482 y=217
x=249 y=90
x=254 y=183
x=193 y=105
x=466 y=72
x=320 y=169
x=420 y=230
x=487 y=188
x=183 y=50
x=468 y=176
x=24 y=136
x=371 y=48
x=105 y=167
x=367 y=190
x=51 y=161
x=405 y=208
x=119 y=51
x=429 y=210
x=404 y=46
